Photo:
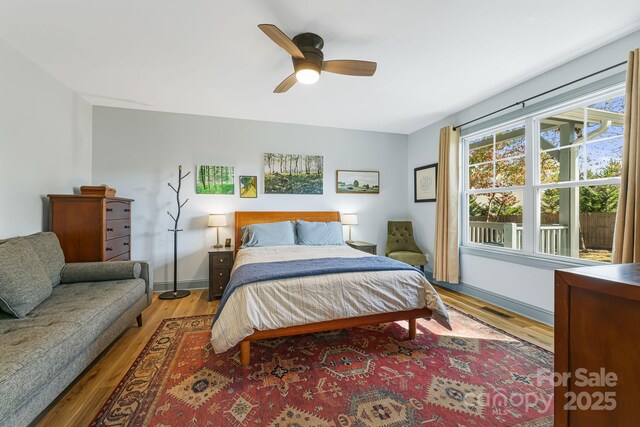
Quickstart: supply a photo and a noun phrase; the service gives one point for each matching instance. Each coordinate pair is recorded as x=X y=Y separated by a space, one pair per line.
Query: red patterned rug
x=476 y=375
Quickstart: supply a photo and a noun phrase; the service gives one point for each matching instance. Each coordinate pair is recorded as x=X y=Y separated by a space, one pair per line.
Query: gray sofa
x=89 y=306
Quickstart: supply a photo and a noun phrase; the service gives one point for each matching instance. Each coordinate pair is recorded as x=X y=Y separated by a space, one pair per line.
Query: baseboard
x=185 y=284
x=522 y=308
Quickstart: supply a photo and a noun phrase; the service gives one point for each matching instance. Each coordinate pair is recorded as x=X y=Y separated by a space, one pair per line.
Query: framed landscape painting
x=293 y=174
x=357 y=182
x=248 y=187
x=215 y=180
x=424 y=183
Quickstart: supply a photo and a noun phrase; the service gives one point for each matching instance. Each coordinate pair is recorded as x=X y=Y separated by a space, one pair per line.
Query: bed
x=316 y=303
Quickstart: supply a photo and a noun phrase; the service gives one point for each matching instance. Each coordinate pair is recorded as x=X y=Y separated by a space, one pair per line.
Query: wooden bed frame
x=247 y=218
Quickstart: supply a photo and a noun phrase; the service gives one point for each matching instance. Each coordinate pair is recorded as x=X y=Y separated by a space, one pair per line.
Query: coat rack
x=175 y=294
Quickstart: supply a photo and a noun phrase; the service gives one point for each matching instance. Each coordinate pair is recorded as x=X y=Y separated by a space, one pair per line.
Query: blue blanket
x=263 y=271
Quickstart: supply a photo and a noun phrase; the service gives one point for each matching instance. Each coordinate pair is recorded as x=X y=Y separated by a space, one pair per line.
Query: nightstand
x=369 y=248
x=220 y=263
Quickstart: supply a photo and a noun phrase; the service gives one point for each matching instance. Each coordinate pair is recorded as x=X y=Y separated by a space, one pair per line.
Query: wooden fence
x=596 y=229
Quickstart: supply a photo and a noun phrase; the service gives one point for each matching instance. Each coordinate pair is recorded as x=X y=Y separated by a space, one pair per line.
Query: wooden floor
x=79 y=404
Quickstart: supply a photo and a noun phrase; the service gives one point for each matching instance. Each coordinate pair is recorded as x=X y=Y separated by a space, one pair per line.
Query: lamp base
x=174 y=295
x=217 y=246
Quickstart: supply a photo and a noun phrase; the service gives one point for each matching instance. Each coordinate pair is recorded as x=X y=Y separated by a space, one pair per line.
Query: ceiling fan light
x=307 y=76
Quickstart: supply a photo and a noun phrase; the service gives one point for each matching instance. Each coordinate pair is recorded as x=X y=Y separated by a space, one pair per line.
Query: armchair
x=402 y=246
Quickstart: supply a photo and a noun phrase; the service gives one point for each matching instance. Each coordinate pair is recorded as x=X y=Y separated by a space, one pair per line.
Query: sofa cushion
x=36 y=348
x=100 y=271
x=23 y=282
x=47 y=246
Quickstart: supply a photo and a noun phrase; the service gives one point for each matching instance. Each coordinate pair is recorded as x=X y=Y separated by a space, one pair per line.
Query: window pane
x=561 y=129
x=606 y=118
x=481 y=150
x=510 y=173
x=495 y=219
x=481 y=176
x=604 y=159
x=561 y=165
x=510 y=143
x=578 y=222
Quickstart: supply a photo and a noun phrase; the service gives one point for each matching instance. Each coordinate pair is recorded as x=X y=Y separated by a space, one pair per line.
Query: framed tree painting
x=357 y=182
x=424 y=183
x=293 y=174
x=215 y=180
x=248 y=187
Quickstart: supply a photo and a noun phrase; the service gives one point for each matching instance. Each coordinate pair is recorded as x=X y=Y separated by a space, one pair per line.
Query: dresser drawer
x=221 y=259
x=118 y=228
x=115 y=247
x=219 y=279
x=123 y=257
x=118 y=210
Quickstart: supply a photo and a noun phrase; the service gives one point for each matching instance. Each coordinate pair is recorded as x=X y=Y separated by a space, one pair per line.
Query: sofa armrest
x=100 y=271
x=146 y=273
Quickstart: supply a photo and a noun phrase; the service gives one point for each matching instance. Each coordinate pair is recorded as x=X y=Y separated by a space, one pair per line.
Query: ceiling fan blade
x=286 y=84
x=281 y=39
x=350 y=67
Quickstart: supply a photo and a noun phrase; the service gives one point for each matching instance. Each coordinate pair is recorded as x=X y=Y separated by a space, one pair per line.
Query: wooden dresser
x=91 y=227
x=597 y=326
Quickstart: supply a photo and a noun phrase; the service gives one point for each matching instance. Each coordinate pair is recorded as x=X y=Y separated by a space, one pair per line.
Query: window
x=556 y=196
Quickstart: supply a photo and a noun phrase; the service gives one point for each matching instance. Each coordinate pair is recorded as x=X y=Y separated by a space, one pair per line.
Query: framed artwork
x=248 y=187
x=215 y=180
x=424 y=183
x=357 y=182
x=293 y=174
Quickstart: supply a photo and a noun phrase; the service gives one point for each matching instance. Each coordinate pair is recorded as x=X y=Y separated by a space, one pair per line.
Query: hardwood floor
x=83 y=399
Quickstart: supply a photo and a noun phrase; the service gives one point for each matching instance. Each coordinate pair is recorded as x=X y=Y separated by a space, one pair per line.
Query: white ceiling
x=208 y=57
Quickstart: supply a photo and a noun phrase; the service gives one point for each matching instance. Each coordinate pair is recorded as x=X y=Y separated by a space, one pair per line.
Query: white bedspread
x=301 y=300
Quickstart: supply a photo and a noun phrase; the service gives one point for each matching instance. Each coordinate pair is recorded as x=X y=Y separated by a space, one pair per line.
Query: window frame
x=530 y=254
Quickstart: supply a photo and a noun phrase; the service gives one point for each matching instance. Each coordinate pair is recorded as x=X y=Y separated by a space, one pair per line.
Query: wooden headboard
x=248 y=218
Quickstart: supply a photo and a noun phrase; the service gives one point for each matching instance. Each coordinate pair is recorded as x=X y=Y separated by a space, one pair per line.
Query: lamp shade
x=350 y=219
x=217 y=220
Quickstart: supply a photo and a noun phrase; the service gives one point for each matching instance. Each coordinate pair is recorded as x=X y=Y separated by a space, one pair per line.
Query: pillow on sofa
x=47 y=246
x=319 y=233
x=100 y=271
x=24 y=284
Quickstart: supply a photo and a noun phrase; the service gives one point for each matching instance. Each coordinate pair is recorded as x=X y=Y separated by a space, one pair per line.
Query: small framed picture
x=424 y=183
x=227 y=243
x=248 y=187
x=357 y=182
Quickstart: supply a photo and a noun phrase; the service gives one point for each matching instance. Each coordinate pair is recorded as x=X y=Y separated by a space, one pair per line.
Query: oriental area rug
x=475 y=375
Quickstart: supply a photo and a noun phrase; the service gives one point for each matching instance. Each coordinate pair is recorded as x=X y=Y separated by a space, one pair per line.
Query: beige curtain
x=626 y=238
x=446 y=263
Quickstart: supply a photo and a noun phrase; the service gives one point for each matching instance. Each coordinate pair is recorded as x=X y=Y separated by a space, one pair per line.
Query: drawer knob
x=126 y=227
x=221 y=274
x=125 y=244
x=109 y=210
x=127 y=210
x=108 y=249
x=109 y=229
x=221 y=260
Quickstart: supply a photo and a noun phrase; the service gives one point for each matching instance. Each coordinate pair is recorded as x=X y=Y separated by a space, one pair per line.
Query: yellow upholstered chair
x=402 y=246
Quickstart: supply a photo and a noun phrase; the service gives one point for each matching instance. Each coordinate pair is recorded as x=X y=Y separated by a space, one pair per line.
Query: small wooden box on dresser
x=91 y=227
x=220 y=264
x=597 y=337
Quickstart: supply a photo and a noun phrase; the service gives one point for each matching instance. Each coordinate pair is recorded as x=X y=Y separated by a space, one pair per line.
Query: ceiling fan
x=308 y=61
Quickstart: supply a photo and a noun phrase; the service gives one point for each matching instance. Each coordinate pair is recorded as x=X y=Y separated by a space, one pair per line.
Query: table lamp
x=217 y=221
x=350 y=219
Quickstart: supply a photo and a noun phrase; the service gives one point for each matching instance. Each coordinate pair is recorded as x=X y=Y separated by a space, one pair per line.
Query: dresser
x=91 y=227
x=220 y=264
x=597 y=337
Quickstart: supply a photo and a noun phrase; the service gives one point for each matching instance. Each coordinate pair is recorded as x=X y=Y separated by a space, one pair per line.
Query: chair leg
x=139 y=320
x=412 y=329
x=245 y=352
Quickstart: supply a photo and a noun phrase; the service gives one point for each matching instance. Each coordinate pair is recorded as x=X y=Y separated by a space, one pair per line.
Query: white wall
x=533 y=286
x=45 y=142
x=138 y=152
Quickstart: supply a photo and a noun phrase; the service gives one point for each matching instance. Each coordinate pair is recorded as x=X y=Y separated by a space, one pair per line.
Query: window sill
x=529 y=260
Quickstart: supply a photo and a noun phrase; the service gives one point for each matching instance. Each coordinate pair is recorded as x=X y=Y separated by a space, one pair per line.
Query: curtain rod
x=539 y=95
